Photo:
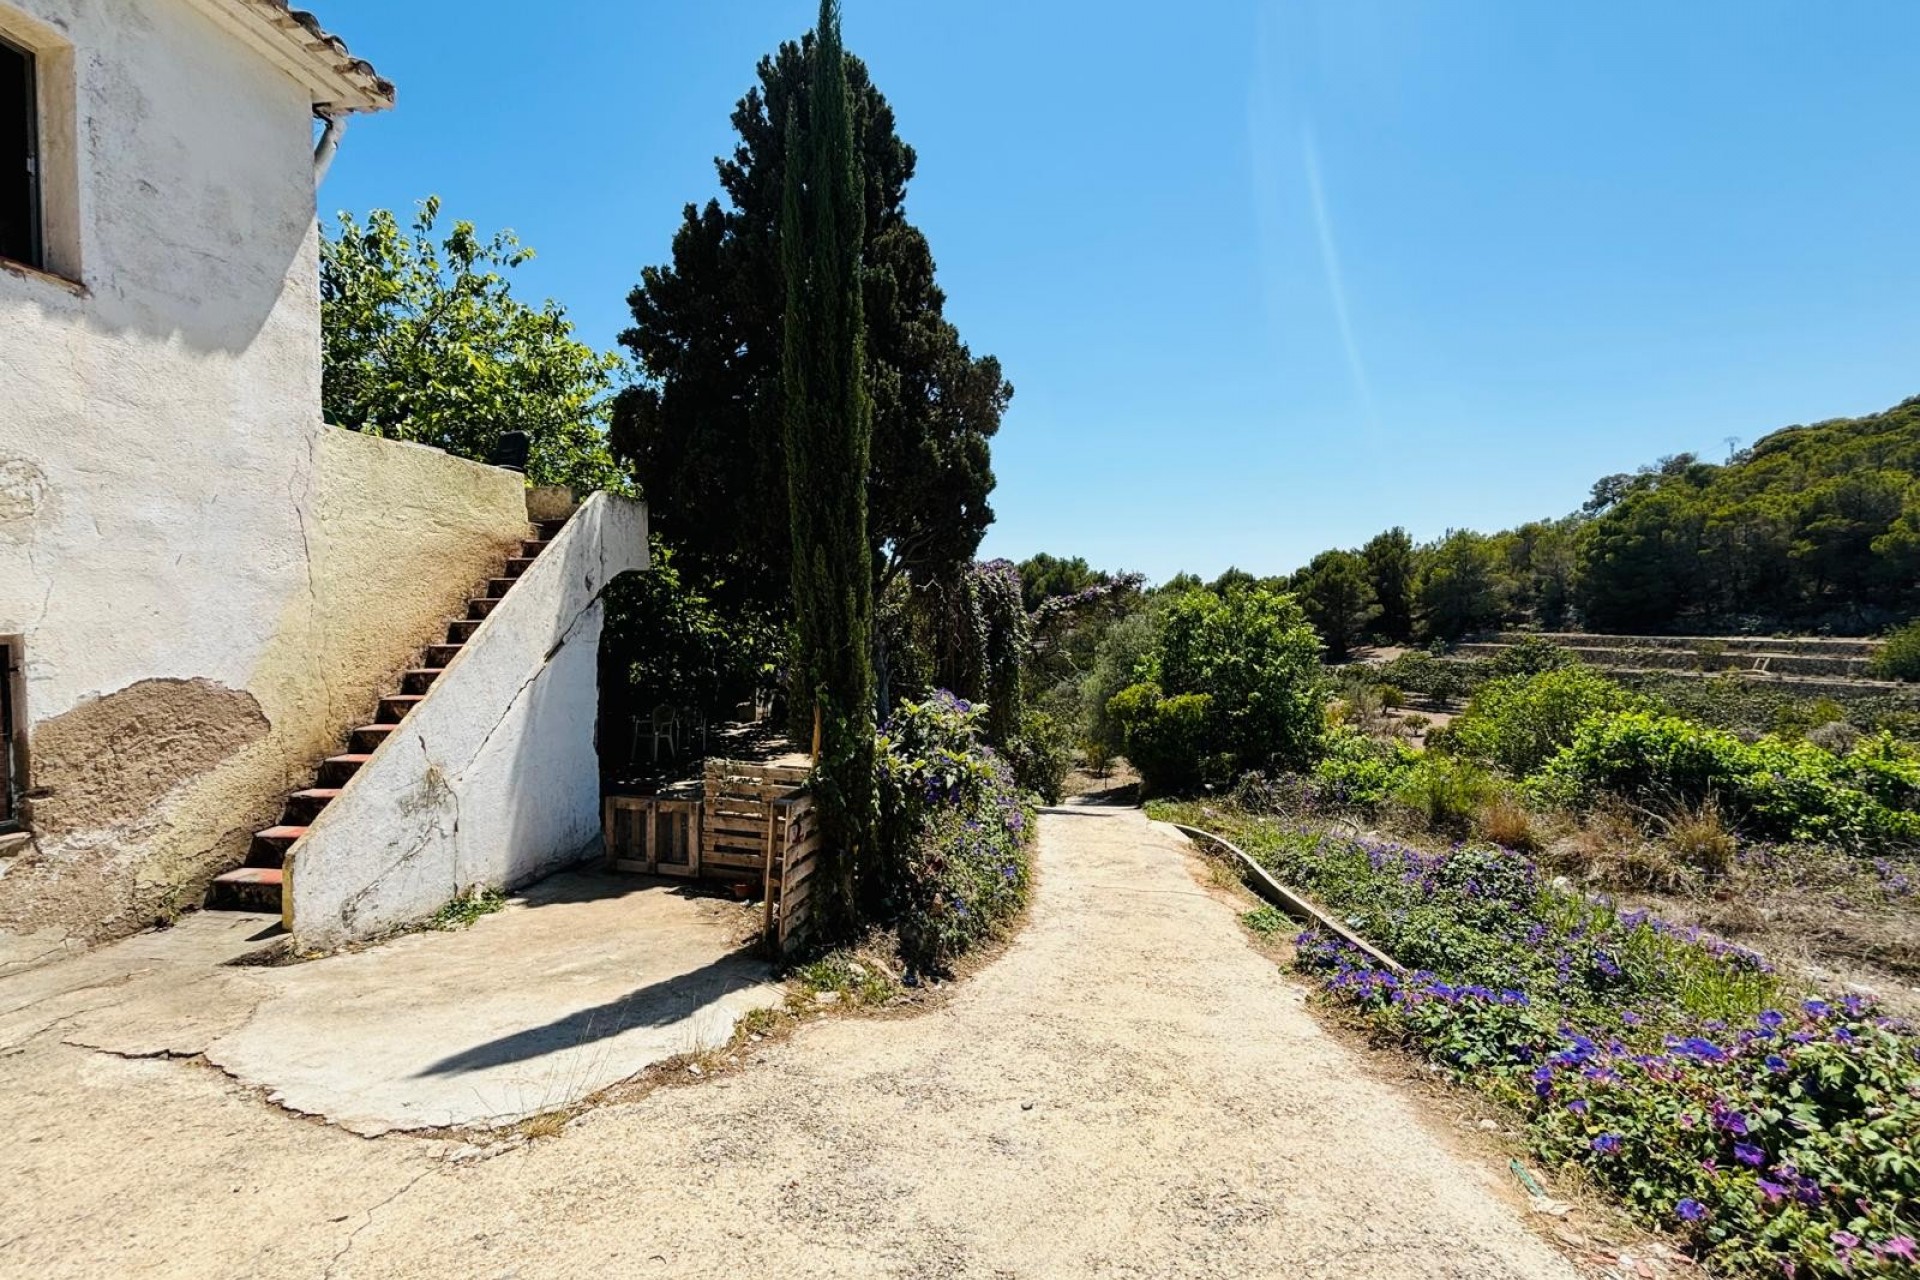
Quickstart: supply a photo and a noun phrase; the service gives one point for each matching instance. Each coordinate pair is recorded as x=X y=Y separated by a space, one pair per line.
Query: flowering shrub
x=1773 y=787
x=955 y=829
x=1787 y=1146
x=1656 y=1057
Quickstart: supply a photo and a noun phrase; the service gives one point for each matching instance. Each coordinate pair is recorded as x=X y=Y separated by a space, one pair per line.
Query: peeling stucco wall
x=211 y=585
x=493 y=779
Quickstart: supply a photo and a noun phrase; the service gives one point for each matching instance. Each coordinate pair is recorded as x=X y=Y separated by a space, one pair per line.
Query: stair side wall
x=213 y=687
x=494 y=779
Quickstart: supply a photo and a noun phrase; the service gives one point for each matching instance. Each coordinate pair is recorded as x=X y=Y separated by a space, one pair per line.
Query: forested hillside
x=1813 y=527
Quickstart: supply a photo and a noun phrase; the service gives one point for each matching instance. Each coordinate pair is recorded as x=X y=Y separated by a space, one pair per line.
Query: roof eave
x=295 y=42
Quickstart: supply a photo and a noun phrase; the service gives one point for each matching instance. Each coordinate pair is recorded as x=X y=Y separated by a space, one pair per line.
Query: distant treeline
x=1812 y=528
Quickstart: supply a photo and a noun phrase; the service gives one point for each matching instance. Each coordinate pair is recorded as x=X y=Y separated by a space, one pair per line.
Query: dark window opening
x=19 y=158
x=13 y=734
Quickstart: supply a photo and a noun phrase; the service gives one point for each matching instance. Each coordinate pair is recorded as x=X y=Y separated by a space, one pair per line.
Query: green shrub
x=1732 y=701
x=1772 y=788
x=1520 y=722
x=1356 y=770
x=1899 y=657
x=1040 y=756
x=1122 y=659
x=1434 y=677
x=1445 y=791
x=1164 y=738
x=1234 y=685
x=1801 y=716
x=1530 y=656
x=954 y=831
x=1257 y=659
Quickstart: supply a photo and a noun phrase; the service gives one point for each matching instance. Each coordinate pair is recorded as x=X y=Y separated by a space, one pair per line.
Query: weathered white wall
x=493 y=779
x=209 y=582
x=153 y=427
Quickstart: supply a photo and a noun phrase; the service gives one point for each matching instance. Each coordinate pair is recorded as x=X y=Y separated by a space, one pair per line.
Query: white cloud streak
x=1336 y=282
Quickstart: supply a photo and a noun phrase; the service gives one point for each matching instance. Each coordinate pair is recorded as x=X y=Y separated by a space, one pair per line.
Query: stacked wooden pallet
x=790 y=884
x=748 y=824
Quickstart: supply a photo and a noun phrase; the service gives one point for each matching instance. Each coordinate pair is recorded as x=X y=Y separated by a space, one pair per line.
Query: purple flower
x=1772 y=1019
x=1772 y=1190
x=1775 y=1062
x=1747 y=1153
x=1690 y=1210
x=1578 y=1106
x=1695 y=1047
x=1606 y=1144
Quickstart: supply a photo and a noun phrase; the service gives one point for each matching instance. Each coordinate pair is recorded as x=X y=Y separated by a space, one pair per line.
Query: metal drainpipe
x=329 y=143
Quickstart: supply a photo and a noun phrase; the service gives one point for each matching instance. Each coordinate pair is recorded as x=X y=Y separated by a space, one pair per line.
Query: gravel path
x=1129 y=1091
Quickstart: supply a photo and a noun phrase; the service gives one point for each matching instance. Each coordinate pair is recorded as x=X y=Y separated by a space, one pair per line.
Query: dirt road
x=1129 y=1091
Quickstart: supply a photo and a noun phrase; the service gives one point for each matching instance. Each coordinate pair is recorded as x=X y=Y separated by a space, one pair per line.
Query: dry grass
x=1844 y=919
x=1508 y=823
x=1699 y=838
x=548 y=1124
x=1608 y=849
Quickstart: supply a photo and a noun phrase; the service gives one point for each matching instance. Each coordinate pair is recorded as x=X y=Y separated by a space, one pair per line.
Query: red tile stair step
x=257 y=885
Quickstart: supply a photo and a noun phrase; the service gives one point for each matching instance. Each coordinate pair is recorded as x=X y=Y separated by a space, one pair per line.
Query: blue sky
x=1268 y=275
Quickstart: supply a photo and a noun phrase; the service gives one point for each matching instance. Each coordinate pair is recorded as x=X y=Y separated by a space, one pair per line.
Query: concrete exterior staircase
x=258 y=884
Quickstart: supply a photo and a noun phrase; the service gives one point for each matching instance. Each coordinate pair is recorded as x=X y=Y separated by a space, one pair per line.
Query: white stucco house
x=205 y=592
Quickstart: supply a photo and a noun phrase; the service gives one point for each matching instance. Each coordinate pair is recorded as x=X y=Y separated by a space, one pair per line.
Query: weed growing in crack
x=464 y=910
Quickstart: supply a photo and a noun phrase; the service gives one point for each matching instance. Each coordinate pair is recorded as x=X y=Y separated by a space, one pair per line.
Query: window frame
x=36 y=195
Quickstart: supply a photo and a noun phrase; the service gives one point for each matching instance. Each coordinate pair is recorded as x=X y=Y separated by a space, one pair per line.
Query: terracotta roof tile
x=333 y=50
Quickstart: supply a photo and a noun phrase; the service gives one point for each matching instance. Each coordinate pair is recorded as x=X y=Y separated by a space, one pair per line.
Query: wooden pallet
x=753 y=824
x=738 y=820
x=790 y=884
x=654 y=835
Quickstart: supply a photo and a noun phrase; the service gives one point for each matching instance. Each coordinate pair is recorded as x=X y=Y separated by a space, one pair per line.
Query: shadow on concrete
x=657 y=1004
x=1125 y=795
x=582 y=882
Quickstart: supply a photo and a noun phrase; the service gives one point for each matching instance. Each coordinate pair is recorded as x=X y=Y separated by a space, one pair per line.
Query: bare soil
x=1840 y=928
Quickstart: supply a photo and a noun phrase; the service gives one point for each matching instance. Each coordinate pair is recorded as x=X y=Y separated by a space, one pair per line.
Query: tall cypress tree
x=829 y=427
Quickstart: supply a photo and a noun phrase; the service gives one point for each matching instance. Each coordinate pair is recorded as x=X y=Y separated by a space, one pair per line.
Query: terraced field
x=1818 y=657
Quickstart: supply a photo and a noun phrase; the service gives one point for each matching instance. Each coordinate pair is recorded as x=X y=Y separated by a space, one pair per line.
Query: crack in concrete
x=300 y=513
x=118 y=980
x=350 y=907
x=353 y=1236
x=14 y=968
x=136 y=1055
x=545 y=662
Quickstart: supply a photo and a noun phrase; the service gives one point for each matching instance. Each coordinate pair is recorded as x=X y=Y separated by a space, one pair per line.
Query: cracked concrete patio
x=1130 y=1090
x=583 y=981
